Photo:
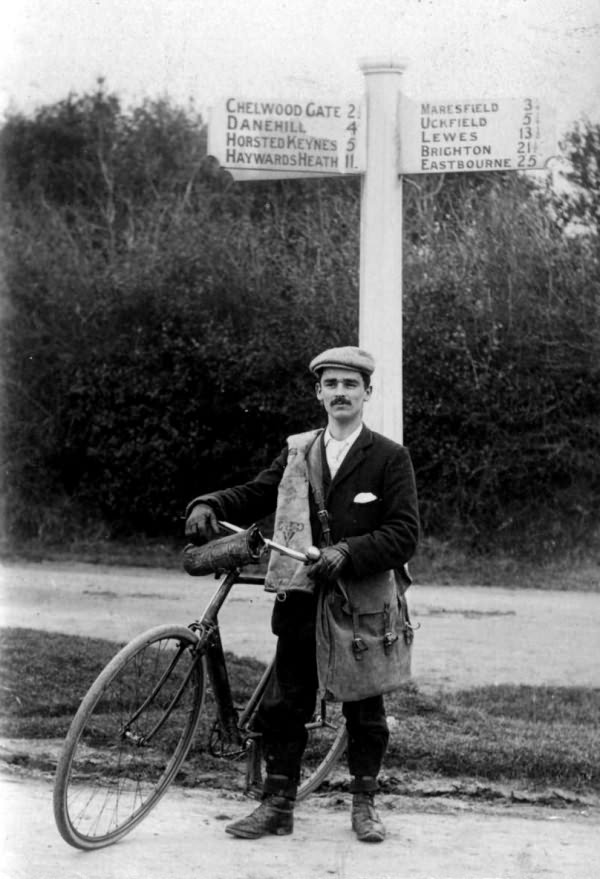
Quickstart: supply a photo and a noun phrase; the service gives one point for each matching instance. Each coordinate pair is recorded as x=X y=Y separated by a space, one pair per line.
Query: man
x=370 y=528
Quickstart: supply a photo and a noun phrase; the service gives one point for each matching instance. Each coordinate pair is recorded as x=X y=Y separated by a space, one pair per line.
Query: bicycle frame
x=142 y=712
x=233 y=728
x=232 y=734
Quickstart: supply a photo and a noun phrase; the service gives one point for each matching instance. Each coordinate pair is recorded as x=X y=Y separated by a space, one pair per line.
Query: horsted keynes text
x=287 y=137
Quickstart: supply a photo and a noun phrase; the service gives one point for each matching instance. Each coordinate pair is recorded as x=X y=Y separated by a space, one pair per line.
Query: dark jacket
x=381 y=533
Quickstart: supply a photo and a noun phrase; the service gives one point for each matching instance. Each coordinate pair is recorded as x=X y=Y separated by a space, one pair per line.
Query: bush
x=160 y=321
x=502 y=373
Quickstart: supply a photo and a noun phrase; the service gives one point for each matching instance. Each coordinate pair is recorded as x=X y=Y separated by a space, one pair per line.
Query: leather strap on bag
x=314 y=466
x=390 y=637
x=358 y=643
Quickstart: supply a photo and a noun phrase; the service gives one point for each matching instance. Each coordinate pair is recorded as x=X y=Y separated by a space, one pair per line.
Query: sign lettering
x=281 y=138
x=499 y=135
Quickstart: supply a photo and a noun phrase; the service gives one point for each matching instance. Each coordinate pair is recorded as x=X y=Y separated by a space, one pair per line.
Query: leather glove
x=201 y=525
x=329 y=567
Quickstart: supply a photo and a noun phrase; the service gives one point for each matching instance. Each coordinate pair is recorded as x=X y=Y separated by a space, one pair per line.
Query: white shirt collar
x=345 y=442
x=336 y=450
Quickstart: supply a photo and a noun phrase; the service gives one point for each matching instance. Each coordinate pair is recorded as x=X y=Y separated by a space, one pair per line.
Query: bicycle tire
x=329 y=743
x=129 y=737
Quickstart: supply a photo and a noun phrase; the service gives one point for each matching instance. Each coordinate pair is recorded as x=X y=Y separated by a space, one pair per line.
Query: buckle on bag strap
x=358 y=648
x=358 y=645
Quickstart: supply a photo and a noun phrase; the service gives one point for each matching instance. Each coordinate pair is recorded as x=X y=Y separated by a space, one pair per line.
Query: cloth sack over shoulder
x=364 y=638
x=292 y=520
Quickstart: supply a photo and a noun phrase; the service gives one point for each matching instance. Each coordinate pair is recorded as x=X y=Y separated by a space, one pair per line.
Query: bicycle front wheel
x=129 y=737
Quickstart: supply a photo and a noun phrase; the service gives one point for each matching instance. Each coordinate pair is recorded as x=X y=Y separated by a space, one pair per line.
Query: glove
x=329 y=567
x=201 y=525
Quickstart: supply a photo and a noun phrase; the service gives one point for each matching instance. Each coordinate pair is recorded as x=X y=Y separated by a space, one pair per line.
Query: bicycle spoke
x=130 y=741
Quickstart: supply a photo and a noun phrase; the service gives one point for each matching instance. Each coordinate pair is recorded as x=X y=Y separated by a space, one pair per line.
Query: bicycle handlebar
x=311 y=554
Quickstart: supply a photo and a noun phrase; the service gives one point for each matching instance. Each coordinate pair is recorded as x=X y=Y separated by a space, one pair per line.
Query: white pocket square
x=365 y=497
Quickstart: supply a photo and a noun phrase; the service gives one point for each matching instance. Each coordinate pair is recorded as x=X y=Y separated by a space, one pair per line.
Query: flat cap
x=347 y=357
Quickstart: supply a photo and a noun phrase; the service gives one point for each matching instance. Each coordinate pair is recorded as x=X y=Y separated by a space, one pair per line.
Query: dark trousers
x=289 y=703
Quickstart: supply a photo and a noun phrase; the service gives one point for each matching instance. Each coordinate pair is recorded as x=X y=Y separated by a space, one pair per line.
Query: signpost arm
x=380 y=293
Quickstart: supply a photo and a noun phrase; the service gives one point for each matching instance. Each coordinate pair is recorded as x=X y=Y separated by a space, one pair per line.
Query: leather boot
x=274 y=815
x=365 y=820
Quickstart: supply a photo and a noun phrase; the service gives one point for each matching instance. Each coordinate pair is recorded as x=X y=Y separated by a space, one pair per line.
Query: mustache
x=340 y=400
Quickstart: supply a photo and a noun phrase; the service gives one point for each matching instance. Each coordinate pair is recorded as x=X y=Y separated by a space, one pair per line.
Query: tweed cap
x=347 y=357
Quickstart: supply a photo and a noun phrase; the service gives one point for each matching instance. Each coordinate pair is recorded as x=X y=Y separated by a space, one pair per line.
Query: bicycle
x=137 y=722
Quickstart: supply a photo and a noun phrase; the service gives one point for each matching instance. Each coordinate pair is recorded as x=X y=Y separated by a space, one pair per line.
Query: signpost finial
x=388 y=64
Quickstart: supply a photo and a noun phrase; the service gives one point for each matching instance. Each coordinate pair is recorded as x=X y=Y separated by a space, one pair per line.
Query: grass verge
x=530 y=736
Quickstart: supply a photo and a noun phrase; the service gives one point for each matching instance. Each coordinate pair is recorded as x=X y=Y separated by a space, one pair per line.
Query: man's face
x=343 y=393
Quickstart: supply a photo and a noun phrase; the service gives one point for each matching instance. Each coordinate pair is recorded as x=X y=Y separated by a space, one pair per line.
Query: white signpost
x=381 y=138
x=475 y=135
x=274 y=139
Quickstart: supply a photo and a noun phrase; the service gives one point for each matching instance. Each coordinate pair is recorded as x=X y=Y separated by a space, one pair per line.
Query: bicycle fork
x=226 y=739
x=232 y=735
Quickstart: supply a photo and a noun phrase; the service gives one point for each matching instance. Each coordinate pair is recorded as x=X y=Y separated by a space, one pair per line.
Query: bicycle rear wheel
x=327 y=740
x=129 y=737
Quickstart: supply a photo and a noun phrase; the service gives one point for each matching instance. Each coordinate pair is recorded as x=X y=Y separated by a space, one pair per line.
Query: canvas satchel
x=364 y=638
x=364 y=634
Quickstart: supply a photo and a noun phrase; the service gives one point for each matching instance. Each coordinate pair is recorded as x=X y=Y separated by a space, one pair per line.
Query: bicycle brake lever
x=306 y=556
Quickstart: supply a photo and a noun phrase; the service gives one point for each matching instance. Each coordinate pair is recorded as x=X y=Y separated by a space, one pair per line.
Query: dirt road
x=184 y=836
x=468 y=636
